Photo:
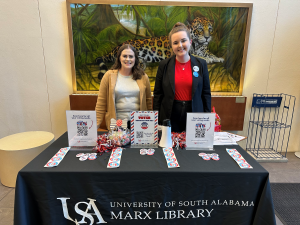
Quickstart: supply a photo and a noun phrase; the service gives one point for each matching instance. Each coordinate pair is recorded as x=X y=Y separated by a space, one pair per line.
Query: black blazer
x=164 y=90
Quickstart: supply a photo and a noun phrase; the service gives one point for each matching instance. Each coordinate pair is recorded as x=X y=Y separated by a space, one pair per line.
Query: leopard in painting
x=201 y=30
x=156 y=49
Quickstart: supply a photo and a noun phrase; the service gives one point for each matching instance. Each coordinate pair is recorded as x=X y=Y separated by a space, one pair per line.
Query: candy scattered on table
x=103 y=144
x=58 y=157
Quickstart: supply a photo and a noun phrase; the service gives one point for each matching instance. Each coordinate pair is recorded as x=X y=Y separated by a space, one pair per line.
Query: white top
x=127 y=96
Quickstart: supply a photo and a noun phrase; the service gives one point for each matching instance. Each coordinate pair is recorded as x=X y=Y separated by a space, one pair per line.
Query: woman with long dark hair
x=123 y=88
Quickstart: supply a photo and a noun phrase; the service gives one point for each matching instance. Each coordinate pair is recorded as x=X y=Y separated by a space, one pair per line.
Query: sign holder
x=82 y=129
x=144 y=132
x=200 y=131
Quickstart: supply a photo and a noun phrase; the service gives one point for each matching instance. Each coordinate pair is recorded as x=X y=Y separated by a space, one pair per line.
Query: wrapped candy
x=178 y=140
x=119 y=136
x=103 y=144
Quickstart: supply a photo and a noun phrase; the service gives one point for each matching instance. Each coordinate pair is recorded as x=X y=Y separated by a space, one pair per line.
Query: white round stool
x=17 y=150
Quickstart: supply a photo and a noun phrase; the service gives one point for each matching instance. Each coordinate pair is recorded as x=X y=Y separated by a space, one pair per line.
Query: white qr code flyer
x=200 y=131
x=82 y=128
x=144 y=126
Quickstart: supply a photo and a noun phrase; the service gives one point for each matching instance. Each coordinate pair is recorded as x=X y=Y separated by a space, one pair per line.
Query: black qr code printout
x=82 y=128
x=139 y=134
x=200 y=133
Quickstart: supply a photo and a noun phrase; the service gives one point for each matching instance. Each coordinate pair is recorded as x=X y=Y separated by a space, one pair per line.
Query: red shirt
x=183 y=81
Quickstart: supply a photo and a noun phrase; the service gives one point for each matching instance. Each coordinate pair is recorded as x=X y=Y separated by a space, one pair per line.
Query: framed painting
x=97 y=29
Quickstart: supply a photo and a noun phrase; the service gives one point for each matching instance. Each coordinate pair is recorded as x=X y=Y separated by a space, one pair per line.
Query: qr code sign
x=82 y=128
x=200 y=130
x=139 y=134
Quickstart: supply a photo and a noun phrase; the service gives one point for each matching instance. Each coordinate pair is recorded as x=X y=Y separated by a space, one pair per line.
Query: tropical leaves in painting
x=228 y=43
x=98 y=29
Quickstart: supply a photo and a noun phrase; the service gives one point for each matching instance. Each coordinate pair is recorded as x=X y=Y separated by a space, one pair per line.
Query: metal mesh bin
x=269 y=128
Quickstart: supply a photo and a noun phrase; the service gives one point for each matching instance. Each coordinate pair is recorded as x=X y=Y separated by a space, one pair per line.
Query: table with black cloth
x=143 y=190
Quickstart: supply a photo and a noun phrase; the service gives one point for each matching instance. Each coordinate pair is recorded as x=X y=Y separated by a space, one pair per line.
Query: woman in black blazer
x=182 y=82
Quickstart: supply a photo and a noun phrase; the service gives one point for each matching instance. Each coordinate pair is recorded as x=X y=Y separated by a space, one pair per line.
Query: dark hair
x=137 y=71
x=176 y=28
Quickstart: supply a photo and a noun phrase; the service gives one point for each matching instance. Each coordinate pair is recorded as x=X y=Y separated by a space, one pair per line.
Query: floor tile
x=296 y=164
x=288 y=166
x=6 y=216
x=9 y=200
x=4 y=191
x=293 y=177
x=292 y=158
x=278 y=177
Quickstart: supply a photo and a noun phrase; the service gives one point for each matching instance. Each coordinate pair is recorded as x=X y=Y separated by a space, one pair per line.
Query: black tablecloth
x=143 y=190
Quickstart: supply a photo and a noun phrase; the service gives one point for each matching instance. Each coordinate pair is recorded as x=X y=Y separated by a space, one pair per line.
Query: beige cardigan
x=105 y=106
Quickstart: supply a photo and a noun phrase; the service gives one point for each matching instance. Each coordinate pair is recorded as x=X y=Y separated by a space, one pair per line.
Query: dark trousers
x=178 y=116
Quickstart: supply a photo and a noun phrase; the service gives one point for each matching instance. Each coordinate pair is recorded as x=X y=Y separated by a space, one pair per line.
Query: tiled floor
x=279 y=173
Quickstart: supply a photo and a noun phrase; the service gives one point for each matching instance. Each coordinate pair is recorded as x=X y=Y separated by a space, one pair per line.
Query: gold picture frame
x=91 y=29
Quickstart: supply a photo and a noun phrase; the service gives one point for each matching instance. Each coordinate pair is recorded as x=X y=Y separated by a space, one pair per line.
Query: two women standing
x=181 y=86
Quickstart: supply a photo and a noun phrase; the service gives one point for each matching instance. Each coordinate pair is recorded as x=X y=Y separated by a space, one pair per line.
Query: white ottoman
x=17 y=150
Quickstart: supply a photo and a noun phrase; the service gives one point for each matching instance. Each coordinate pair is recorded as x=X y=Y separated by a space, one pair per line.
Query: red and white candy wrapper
x=170 y=158
x=178 y=140
x=58 y=157
x=115 y=158
x=239 y=159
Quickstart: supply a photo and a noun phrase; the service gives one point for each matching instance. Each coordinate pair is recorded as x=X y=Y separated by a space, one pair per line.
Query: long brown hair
x=176 y=28
x=137 y=71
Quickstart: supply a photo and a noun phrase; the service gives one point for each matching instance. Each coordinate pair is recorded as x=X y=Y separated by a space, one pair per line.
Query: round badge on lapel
x=195 y=74
x=196 y=68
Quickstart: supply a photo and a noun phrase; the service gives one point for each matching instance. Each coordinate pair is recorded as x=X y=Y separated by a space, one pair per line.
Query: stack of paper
x=222 y=138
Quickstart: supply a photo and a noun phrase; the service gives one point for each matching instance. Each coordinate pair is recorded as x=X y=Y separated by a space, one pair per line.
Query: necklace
x=183 y=65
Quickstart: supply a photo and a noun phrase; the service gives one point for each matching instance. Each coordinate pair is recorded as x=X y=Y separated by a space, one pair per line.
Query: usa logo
x=84 y=213
x=144 y=125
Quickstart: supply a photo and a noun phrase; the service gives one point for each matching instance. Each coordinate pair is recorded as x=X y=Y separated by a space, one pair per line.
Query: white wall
x=35 y=80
